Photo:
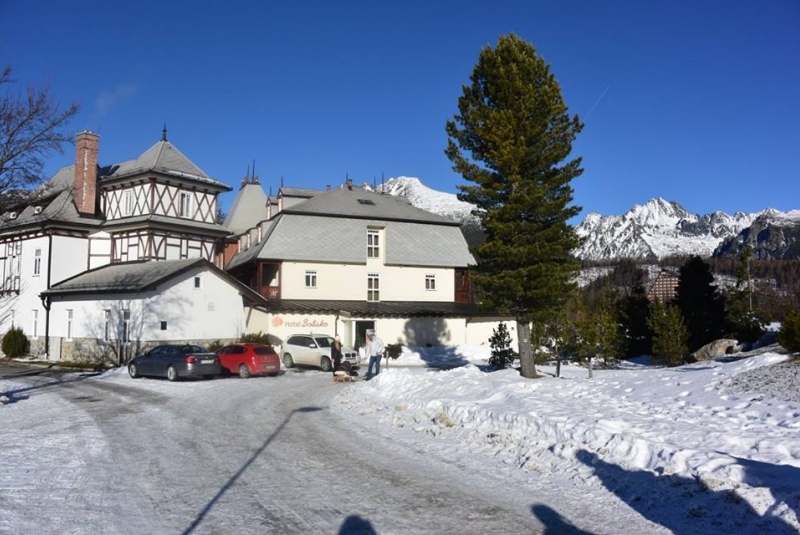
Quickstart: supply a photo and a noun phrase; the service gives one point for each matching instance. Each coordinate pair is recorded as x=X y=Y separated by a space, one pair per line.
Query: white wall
x=31 y=286
x=412 y=332
x=349 y=282
x=213 y=311
x=70 y=257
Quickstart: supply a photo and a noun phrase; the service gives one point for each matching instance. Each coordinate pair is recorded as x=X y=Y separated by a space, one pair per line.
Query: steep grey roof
x=124 y=277
x=140 y=276
x=253 y=252
x=300 y=237
x=55 y=209
x=248 y=209
x=361 y=203
x=332 y=227
x=63 y=179
x=164 y=158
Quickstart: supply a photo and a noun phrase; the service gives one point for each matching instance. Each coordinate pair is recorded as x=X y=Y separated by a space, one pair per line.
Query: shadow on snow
x=244 y=467
x=657 y=497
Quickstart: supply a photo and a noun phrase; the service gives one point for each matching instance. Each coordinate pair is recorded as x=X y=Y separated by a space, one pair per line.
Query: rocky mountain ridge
x=651 y=231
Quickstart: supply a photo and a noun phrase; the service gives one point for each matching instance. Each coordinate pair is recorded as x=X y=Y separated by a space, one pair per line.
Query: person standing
x=375 y=349
x=336 y=354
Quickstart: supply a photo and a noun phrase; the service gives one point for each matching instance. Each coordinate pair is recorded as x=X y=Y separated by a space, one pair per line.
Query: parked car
x=248 y=359
x=314 y=350
x=175 y=361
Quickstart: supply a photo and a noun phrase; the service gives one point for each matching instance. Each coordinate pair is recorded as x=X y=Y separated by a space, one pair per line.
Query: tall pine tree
x=700 y=303
x=511 y=139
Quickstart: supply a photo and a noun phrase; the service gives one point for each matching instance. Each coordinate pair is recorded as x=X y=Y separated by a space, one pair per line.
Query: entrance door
x=361 y=332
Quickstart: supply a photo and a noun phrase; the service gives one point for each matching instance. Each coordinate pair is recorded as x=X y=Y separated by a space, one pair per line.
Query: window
x=69 y=324
x=163 y=325
x=197 y=282
x=430 y=282
x=311 y=279
x=35 y=323
x=186 y=205
x=373 y=244
x=126 y=321
x=127 y=204
x=373 y=284
x=37 y=262
x=106 y=325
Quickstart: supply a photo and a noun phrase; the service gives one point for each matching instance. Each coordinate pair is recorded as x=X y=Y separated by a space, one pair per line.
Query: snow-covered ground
x=712 y=447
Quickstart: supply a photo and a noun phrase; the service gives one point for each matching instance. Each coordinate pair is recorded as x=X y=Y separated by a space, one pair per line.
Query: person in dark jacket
x=336 y=354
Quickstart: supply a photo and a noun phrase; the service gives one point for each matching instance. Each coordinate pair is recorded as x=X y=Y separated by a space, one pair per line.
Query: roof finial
x=164 y=133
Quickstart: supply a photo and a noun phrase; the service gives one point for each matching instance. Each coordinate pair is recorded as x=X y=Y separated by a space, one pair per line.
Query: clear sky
x=693 y=101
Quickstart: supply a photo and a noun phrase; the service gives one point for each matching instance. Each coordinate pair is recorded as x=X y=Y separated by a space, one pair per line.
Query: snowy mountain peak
x=658 y=212
x=421 y=196
x=656 y=229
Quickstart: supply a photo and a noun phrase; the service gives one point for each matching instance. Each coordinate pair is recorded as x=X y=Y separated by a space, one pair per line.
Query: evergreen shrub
x=215 y=346
x=393 y=351
x=257 y=338
x=15 y=343
x=788 y=336
x=500 y=342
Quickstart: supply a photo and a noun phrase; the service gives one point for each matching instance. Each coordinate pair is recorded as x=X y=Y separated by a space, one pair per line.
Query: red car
x=248 y=359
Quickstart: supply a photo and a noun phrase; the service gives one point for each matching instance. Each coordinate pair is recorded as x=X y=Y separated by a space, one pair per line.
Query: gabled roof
x=361 y=203
x=306 y=238
x=332 y=227
x=139 y=276
x=163 y=158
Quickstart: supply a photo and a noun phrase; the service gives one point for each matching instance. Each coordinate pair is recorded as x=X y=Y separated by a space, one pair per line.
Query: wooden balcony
x=270 y=292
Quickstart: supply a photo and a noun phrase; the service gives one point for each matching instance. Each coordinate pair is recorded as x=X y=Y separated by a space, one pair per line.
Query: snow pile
x=686 y=446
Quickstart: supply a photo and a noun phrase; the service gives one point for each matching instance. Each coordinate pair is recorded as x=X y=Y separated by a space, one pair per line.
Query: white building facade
x=103 y=260
x=348 y=259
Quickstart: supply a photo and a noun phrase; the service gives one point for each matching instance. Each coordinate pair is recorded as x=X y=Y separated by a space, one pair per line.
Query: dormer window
x=12 y=215
x=37 y=210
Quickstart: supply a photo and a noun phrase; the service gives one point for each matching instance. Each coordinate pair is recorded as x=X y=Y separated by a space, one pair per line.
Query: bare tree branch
x=31 y=129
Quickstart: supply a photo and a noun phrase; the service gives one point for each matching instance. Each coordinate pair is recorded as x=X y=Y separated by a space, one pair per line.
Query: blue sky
x=692 y=101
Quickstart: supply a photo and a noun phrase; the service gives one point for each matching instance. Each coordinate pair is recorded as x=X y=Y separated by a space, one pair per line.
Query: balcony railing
x=270 y=292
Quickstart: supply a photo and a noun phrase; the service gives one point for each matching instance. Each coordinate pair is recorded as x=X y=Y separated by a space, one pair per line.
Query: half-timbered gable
x=157 y=207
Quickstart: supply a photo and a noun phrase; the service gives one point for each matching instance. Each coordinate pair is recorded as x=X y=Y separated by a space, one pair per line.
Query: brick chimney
x=84 y=189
